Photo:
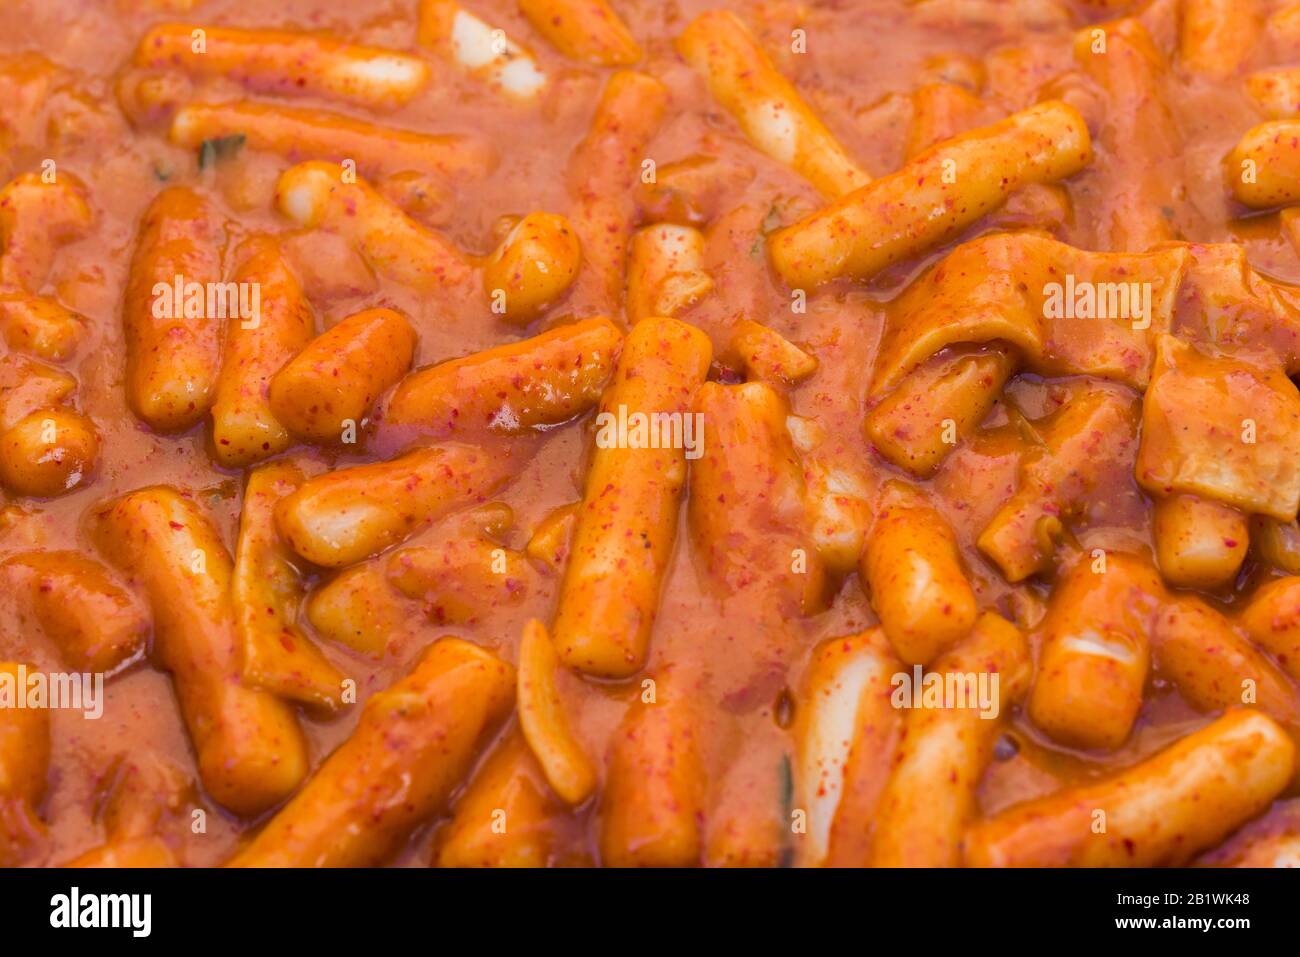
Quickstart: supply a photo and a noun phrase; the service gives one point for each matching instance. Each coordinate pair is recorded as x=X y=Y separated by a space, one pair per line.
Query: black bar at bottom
x=331 y=909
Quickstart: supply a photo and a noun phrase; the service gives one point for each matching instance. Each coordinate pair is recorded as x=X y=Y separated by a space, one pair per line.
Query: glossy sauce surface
x=742 y=662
